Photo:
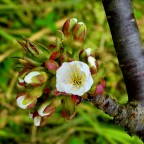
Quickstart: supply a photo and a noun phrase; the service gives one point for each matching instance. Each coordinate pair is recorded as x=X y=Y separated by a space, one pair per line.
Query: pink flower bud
x=79 y=32
x=68 y=25
x=100 y=87
x=51 y=65
x=75 y=99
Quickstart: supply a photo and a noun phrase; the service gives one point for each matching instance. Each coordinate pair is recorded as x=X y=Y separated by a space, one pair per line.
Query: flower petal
x=28 y=77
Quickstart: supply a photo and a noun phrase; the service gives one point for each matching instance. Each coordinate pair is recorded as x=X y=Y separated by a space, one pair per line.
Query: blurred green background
x=38 y=20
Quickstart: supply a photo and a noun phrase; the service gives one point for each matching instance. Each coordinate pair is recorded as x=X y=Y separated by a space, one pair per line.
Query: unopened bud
x=38 y=120
x=31 y=61
x=79 y=32
x=24 y=46
x=36 y=91
x=68 y=25
x=93 y=65
x=51 y=47
x=68 y=108
x=32 y=111
x=24 y=63
x=21 y=76
x=52 y=66
x=55 y=55
x=75 y=99
x=53 y=82
x=89 y=52
x=24 y=100
x=64 y=58
x=36 y=78
x=31 y=47
x=46 y=109
x=100 y=87
x=37 y=50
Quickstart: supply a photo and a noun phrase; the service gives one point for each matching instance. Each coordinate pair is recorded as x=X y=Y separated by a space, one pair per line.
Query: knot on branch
x=130 y=115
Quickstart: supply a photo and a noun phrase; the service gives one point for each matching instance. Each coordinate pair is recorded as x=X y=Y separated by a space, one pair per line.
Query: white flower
x=74 y=78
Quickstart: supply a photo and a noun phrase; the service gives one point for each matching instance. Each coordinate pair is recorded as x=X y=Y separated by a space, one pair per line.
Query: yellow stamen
x=76 y=77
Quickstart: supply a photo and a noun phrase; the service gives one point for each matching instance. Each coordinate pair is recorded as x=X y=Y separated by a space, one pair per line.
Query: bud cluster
x=39 y=66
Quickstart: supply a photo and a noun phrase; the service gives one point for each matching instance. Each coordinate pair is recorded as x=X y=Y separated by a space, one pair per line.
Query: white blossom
x=74 y=78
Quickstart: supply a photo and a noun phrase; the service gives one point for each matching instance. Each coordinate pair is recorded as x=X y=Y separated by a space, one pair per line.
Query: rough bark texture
x=130 y=115
x=127 y=42
x=128 y=46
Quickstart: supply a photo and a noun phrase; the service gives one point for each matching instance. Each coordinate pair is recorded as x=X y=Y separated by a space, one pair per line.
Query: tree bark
x=128 y=46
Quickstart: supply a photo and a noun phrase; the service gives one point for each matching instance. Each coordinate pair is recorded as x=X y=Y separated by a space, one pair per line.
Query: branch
x=127 y=42
x=130 y=116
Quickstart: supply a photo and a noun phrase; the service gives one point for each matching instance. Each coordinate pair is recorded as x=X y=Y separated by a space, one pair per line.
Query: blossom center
x=76 y=77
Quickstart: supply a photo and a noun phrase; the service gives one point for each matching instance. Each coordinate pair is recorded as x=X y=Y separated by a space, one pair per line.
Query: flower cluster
x=58 y=75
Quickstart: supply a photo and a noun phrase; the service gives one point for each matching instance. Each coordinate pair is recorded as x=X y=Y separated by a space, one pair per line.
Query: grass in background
x=38 y=20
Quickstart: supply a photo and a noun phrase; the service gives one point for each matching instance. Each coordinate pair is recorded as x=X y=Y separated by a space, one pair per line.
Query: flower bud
x=92 y=64
x=55 y=55
x=24 y=63
x=52 y=66
x=32 y=111
x=32 y=61
x=23 y=44
x=53 y=82
x=68 y=108
x=21 y=76
x=51 y=47
x=36 y=78
x=46 y=109
x=79 y=32
x=55 y=92
x=68 y=25
x=24 y=100
x=100 y=87
x=75 y=99
x=31 y=47
x=38 y=120
x=37 y=91
x=89 y=52
x=36 y=50
x=64 y=58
